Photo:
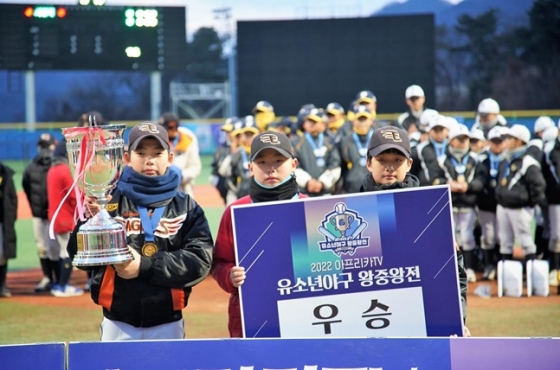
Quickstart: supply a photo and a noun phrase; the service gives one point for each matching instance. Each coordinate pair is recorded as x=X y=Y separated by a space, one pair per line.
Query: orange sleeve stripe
x=178 y=296
x=107 y=288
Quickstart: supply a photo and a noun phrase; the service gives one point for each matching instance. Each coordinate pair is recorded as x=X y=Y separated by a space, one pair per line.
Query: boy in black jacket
x=458 y=169
x=388 y=161
x=520 y=188
x=484 y=183
x=551 y=172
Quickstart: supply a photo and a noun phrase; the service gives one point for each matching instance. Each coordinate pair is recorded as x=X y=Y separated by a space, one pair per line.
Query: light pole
x=229 y=47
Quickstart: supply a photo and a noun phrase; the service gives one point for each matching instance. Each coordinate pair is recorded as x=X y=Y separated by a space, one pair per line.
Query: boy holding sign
x=272 y=166
x=388 y=163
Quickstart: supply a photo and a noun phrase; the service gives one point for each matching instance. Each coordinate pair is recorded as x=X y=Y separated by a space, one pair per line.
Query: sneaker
x=471 y=276
x=44 y=285
x=553 y=278
x=489 y=273
x=4 y=292
x=66 y=291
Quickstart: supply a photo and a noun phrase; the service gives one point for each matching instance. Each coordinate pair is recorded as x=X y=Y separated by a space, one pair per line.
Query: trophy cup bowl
x=95 y=155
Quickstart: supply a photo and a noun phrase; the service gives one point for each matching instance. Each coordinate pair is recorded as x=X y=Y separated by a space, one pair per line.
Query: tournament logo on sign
x=343 y=230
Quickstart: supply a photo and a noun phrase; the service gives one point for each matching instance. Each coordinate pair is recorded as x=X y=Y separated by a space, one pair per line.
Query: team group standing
x=501 y=176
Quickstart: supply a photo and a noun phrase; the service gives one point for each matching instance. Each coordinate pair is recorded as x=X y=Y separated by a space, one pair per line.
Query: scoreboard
x=45 y=37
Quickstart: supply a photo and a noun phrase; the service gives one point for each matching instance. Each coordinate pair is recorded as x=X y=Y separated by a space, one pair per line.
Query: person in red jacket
x=59 y=183
x=272 y=166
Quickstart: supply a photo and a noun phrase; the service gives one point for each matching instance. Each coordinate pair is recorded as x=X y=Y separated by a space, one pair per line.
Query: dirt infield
x=207 y=296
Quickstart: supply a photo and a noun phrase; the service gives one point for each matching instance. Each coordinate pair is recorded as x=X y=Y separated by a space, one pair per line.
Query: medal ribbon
x=150 y=224
x=318 y=146
x=494 y=163
x=439 y=147
x=460 y=169
x=362 y=148
x=245 y=160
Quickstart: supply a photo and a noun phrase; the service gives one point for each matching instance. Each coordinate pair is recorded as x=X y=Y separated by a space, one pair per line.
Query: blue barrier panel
x=258 y=354
x=505 y=353
x=45 y=356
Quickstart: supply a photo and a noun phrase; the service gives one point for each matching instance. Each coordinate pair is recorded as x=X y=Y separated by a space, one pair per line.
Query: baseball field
x=29 y=317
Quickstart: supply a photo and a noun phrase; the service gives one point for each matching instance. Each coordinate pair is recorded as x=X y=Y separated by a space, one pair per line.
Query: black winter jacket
x=353 y=170
x=521 y=183
x=309 y=169
x=34 y=183
x=8 y=210
x=432 y=174
x=164 y=284
x=449 y=165
x=484 y=184
x=551 y=171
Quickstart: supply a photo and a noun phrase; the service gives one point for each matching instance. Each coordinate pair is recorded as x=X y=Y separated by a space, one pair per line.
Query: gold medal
x=504 y=181
x=461 y=179
x=149 y=249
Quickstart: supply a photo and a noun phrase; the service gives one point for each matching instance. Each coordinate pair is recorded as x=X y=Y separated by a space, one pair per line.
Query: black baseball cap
x=46 y=140
x=389 y=138
x=271 y=140
x=147 y=129
x=167 y=118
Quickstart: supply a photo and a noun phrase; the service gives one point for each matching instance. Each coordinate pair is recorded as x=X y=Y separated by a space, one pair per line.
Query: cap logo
x=270 y=139
x=392 y=135
x=148 y=127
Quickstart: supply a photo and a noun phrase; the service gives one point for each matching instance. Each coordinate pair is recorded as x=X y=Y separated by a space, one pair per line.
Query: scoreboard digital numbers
x=44 y=37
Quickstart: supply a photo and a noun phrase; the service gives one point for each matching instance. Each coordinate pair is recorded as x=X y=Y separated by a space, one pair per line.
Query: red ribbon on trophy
x=86 y=155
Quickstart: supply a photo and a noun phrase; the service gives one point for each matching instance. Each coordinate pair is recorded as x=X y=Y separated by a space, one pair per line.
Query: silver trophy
x=95 y=154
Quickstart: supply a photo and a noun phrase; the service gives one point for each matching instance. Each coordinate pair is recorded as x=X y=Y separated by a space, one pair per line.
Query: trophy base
x=100 y=245
x=99 y=259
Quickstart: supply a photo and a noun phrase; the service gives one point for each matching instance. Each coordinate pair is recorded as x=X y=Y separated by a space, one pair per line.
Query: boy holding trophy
x=168 y=236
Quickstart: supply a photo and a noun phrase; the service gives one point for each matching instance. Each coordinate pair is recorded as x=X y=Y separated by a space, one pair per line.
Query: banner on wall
x=361 y=265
